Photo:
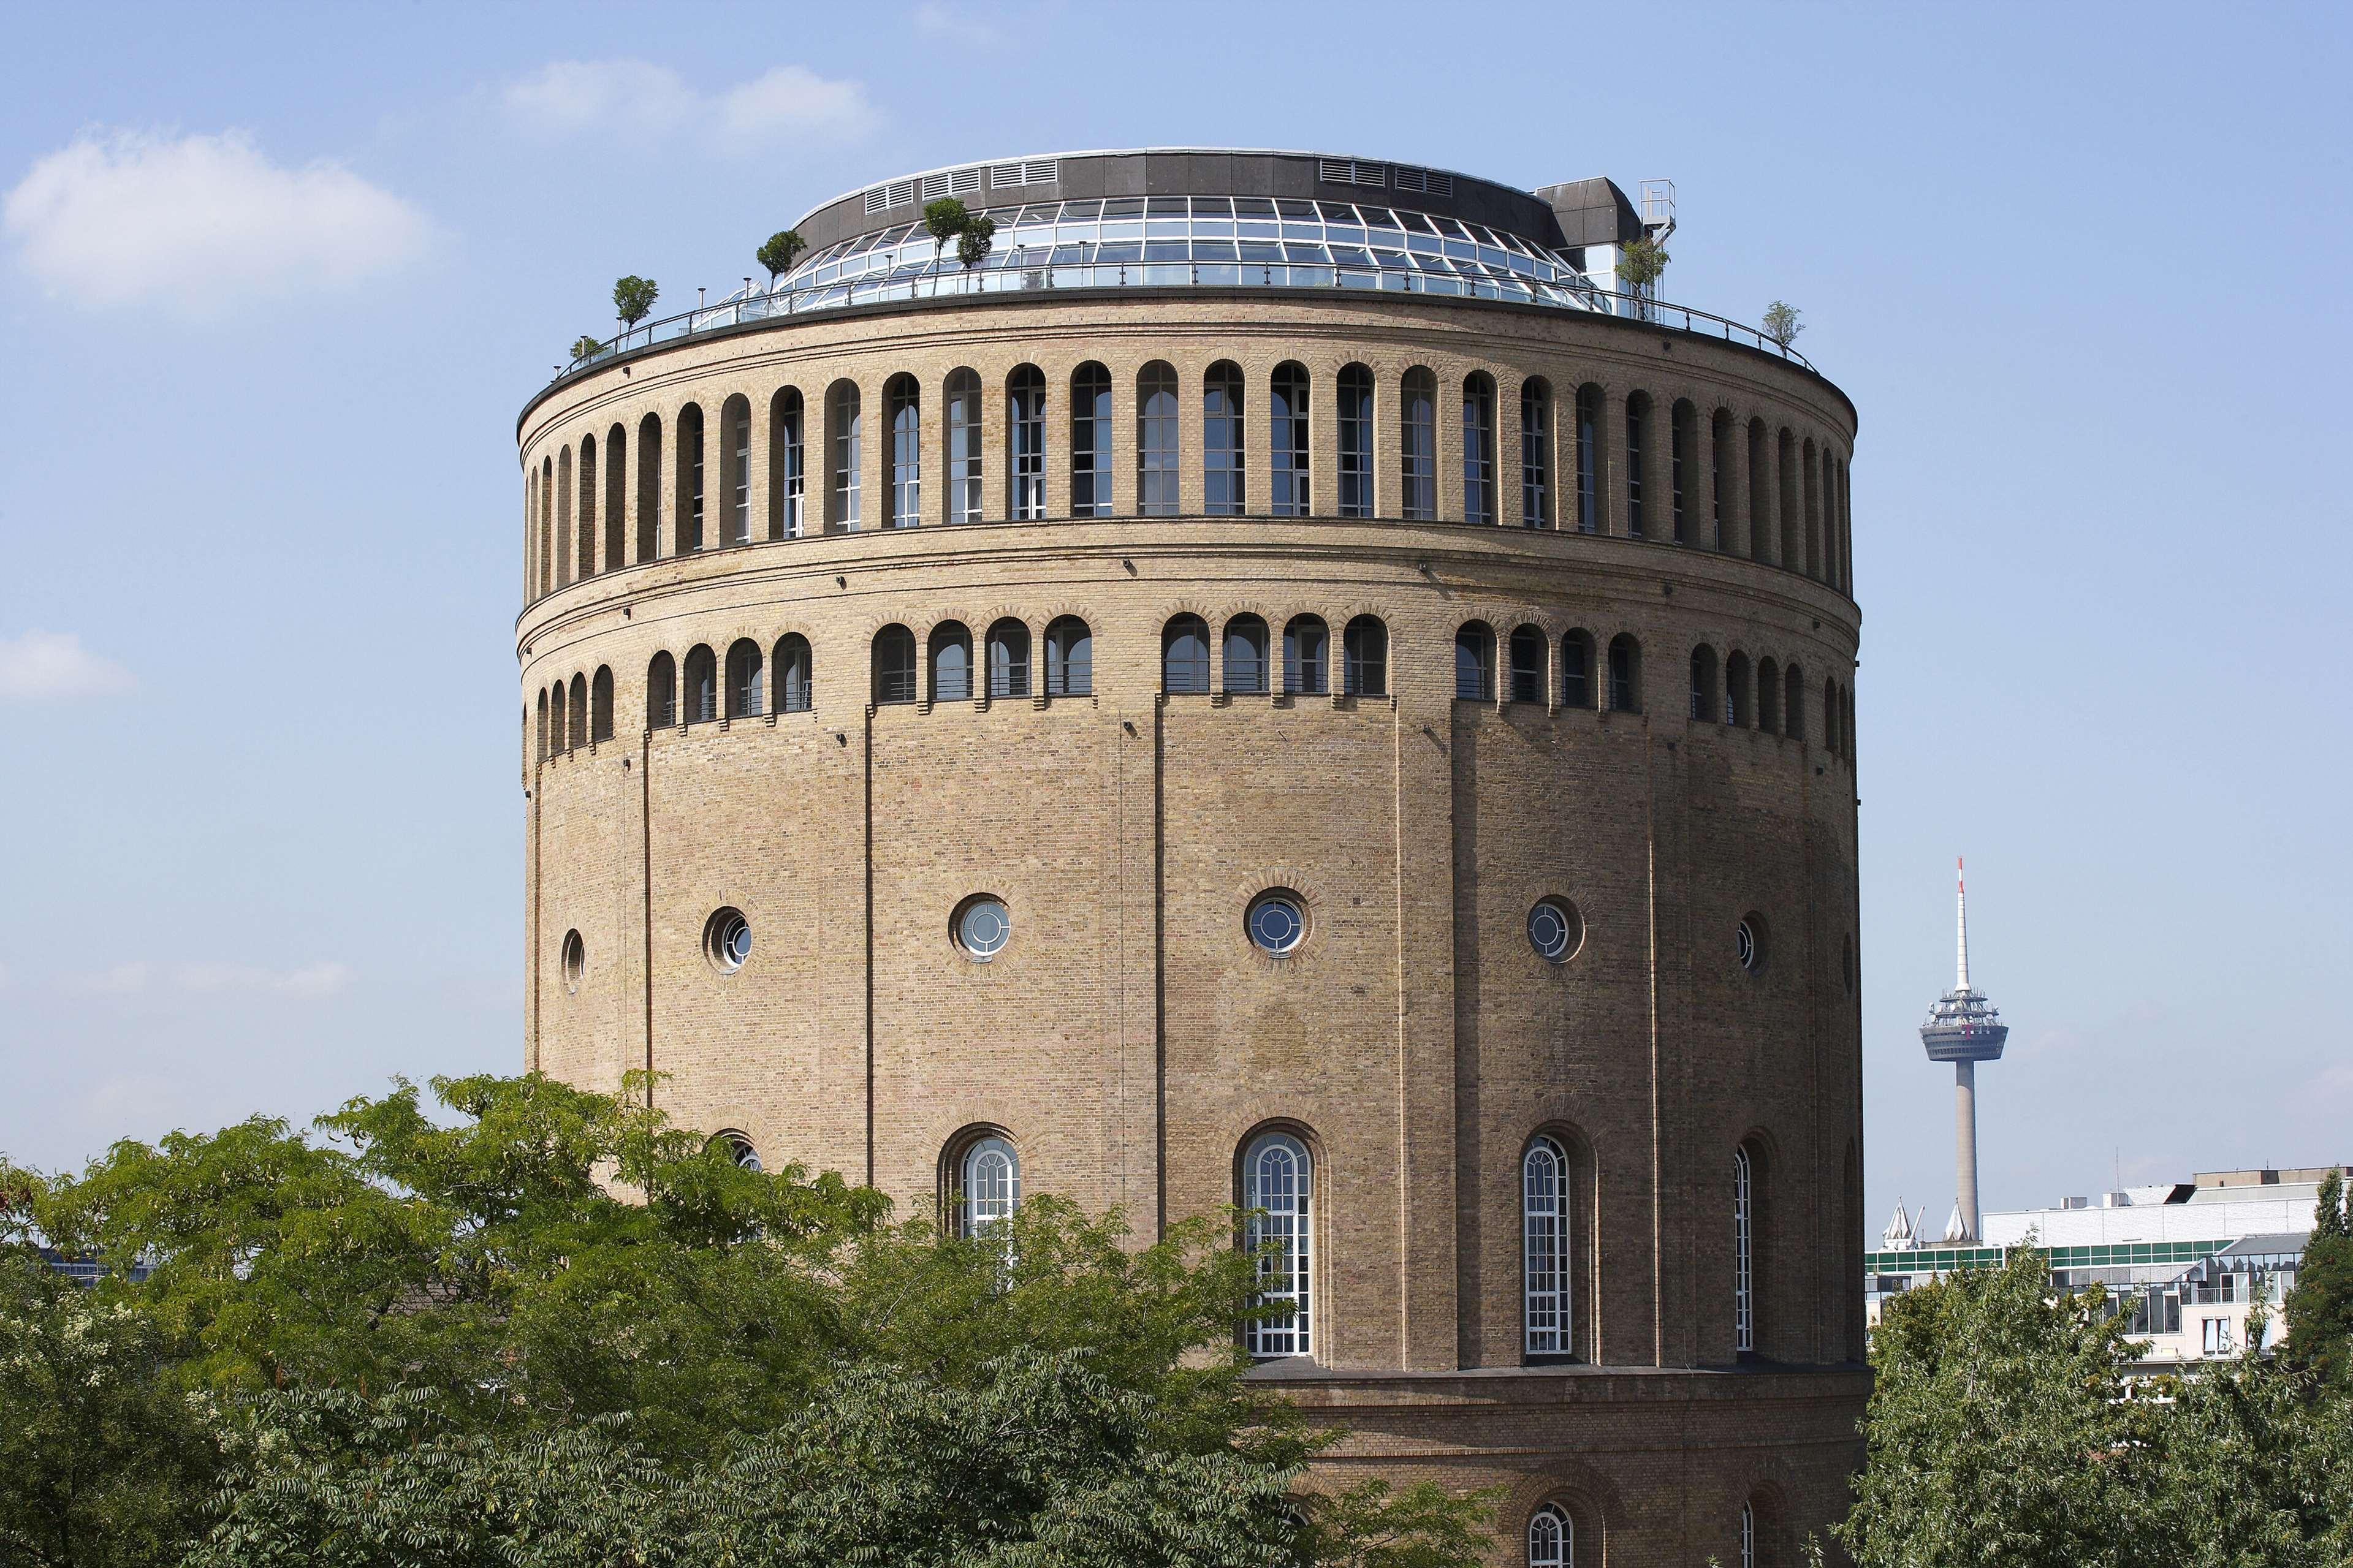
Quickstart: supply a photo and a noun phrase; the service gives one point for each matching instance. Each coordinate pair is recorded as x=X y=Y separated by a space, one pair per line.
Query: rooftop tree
x=633 y=297
x=946 y=219
x=778 y=252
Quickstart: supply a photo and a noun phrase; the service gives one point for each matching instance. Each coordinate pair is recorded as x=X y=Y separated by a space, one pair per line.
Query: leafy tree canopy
x=979 y=238
x=2320 y=1307
x=778 y=252
x=1781 y=323
x=945 y=220
x=634 y=296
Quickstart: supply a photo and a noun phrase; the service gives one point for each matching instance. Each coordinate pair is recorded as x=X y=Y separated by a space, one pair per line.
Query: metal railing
x=742 y=308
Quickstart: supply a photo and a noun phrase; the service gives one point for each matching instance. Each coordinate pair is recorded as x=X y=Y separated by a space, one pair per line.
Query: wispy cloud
x=306 y=982
x=946 y=24
x=2334 y=1083
x=198 y=224
x=118 y=980
x=51 y=667
x=568 y=99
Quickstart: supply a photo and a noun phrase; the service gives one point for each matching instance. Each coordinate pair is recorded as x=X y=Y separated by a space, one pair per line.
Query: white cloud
x=573 y=97
x=311 y=981
x=949 y=24
x=47 y=666
x=201 y=222
x=121 y=980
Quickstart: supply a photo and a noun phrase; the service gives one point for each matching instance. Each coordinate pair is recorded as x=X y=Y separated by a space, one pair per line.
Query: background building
x=1279 y=689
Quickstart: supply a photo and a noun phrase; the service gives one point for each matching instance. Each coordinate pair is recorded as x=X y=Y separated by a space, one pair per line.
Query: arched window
x=988 y=1182
x=964 y=447
x=1588 y=457
x=1474 y=663
x=1810 y=469
x=689 y=504
x=564 y=517
x=702 y=685
x=1008 y=660
x=793 y=674
x=1576 y=669
x=735 y=465
x=558 y=740
x=1306 y=656
x=1070 y=658
x=1719 y=437
x=1544 y=1234
x=1184 y=655
x=662 y=692
x=1355 y=431
x=1552 y=1538
x=746 y=680
x=1706 y=700
x=1638 y=429
x=1365 y=656
x=649 y=487
x=1768 y=697
x=1417 y=445
x=1278 y=1184
x=1478 y=448
x=539 y=733
x=1760 y=494
x=903 y=397
x=1793 y=709
x=1527 y=665
x=1156 y=440
x=1625 y=673
x=1221 y=440
x=1744 y=1257
x=1830 y=718
x=1793 y=553
x=1025 y=442
x=1536 y=453
x=577 y=735
x=787 y=466
x=1682 y=422
x=844 y=444
x=1287 y=449
x=1245 y=656
x=588 y=505
x=951 y=663
x=1739 y=709
x=894 y=664
x=1091 y=447
x=1748 y=1535
x=600 y=705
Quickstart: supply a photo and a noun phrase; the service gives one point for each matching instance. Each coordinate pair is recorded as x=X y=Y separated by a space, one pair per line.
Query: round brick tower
x=1278 y=686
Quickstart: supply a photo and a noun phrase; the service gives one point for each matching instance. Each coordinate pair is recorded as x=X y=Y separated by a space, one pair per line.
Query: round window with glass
x=1748 y=943
x=983 y=927
x=1555 y=930
x=1277 y=923
x=727 y=939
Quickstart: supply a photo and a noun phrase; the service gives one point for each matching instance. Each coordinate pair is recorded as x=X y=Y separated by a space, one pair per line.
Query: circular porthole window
x=1277 y=923
x=575 y=960
x=1555 y=930
x=983 y=927
x=1748 y=942
x=727 y=939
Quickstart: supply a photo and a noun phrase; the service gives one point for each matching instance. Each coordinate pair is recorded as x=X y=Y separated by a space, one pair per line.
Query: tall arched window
x=1365 y=656
x=1792 y=530
x=1810 y=469
x=1576 y=669
x=702 y=685
x=1552 y=1538
x=903 y=398
x=538 y=735
x=951 y=663
x=1760 y=494
x=1719 y=452
x=588 y=505
x=1355 y=430
x=1744 y=1241
x=1536 y=453
x=600 y=705
x=1527 y=665
x=1245 y=656
x=1306 y=656
x=787 y=466
x=894 y=664
x=989 y=1185
x=578 y=733
x=746 y=685
x=662 y=692
x=1625 y=673
x=1830 y=718
x=793 y=674
x=1417 y=445
x=557 y=733
x=689 y=505
x=1793 y=709
x=1070 y=658
x=1008 y=660
x=1706 y=701
x=1681 y=432
x=1221 y=440
x=1478 y=448
x=1474 y=663
x=1544 y=1249
x=1638 y=430
x=844 y=440
x=1091 y=445
x=564 y=517
x=1768 y=696
x=735 y=462
x=1278 y=1184
x=617 y=496
x=1738 y=707
x=1287 y=446
x=649 y=487
x=1588 y=457
x=1748 y=1535
x=1184 y=655
x=964 y=447
x=1156 y=440
x=1025 y=442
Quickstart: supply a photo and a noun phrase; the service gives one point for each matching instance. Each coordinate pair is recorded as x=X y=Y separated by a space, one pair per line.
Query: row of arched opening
x=1589 y=460
x=1768 y=697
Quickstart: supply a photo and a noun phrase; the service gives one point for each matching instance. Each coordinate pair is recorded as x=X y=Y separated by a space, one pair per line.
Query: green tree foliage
x=778 y=252
x=1781 y=323
x=1642 y=263
x=946 y=219
x=2320 y=1307
x=632 y=296
x=585 y=345
x=979 y=238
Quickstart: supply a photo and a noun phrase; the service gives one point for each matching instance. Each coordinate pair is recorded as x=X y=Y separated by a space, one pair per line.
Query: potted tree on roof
x=777 y=255
x=633 y=297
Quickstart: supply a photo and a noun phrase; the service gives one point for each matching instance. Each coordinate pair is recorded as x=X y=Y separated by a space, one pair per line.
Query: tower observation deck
x=1964 y=1028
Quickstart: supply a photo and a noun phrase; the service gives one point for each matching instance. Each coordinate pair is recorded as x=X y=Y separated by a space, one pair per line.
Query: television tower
x=1964 y=1028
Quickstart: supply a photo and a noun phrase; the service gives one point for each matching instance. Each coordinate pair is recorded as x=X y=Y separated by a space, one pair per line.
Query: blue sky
x=275 y=281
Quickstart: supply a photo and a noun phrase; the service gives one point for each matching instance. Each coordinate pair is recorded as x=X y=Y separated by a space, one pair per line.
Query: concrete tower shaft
x=1964 y=1028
